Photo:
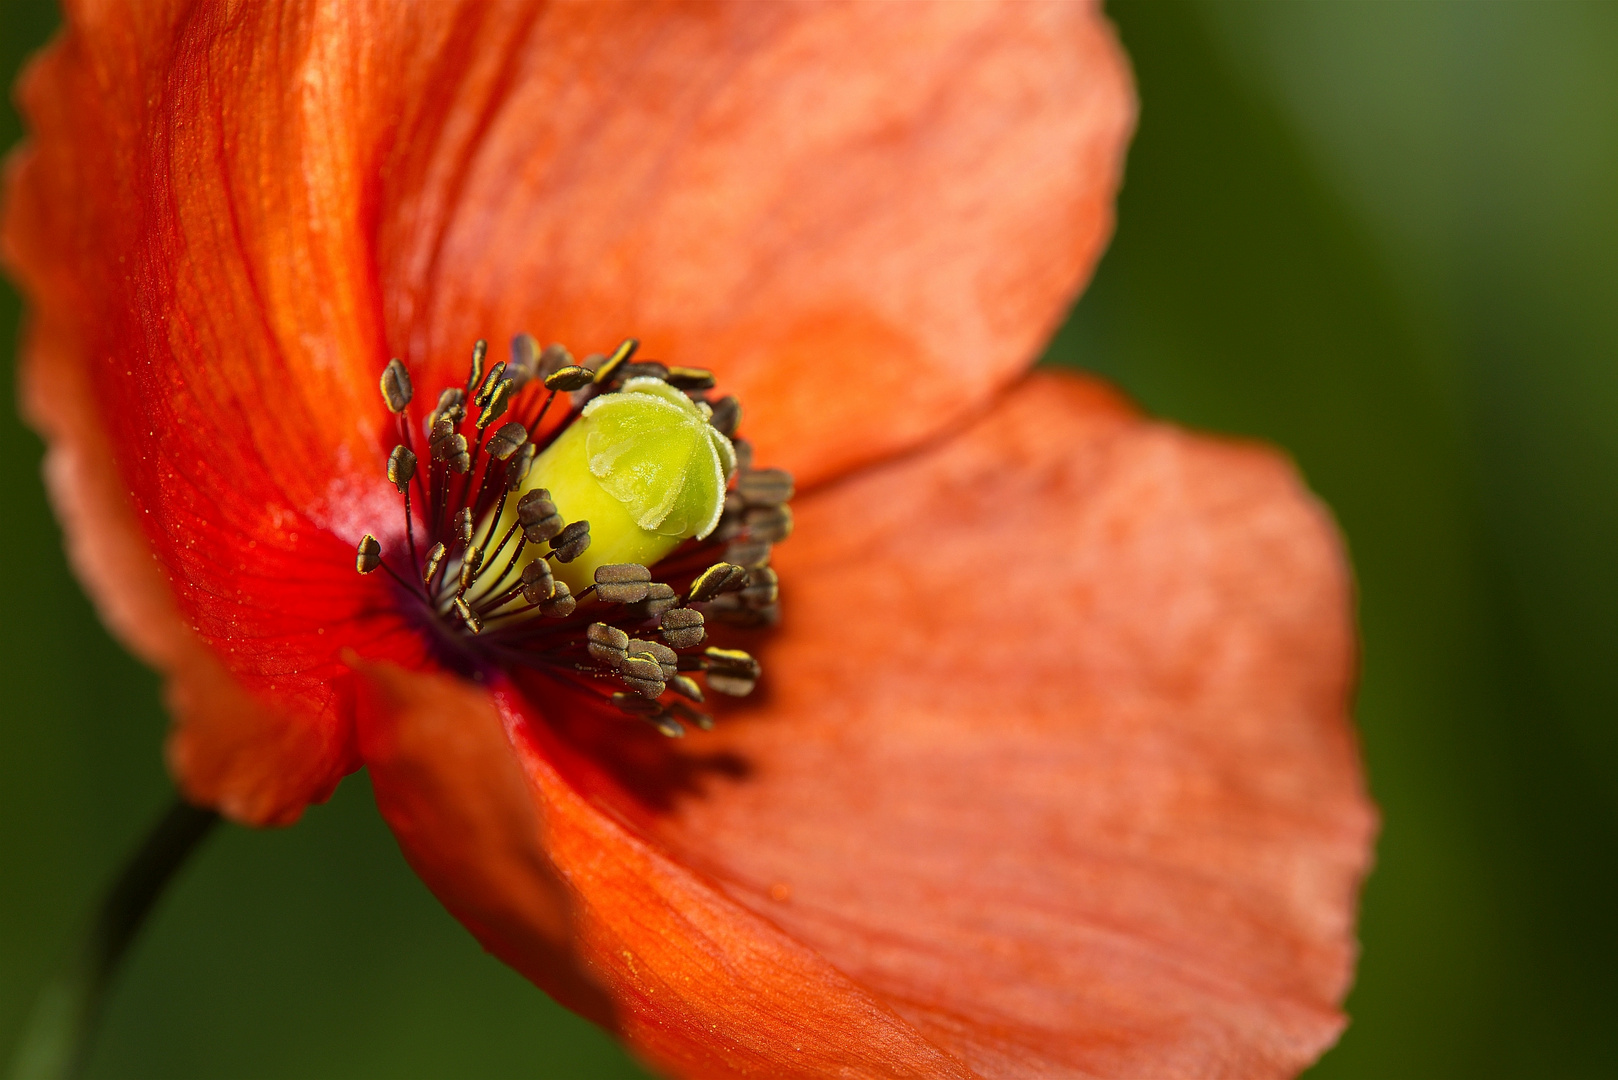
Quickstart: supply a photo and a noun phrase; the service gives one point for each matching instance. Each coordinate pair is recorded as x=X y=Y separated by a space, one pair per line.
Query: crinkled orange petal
x=202 y=361
x=865 y=217
x=1051 y=765
x=600 y=918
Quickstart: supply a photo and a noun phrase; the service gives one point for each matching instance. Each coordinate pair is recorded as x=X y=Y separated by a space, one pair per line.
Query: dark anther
x=719 y=578
x=682 y=628
x=619 y=357
x=572 y=541
x=507 y=440
x=537 y=584
x=744 y=454
x=451 y=406
x=480 y=349
x=765 y=487
x=642 y=674
x=435 y=556
x=635 y=705
x=369 y=554
x=735 y=611
x=622 y=583
x=690 y=379
x=666 y=725
x=569 y=378
x=463 y=525
x=486 y=387
x=730 y=522
x=659 y=598
x=452 y=450
x=668 y=661
x=771 y=524
x=763 y=587
x=692 y=716
x=469 y=567
x=524 y=363
x=686 y=686
x=496 y=408
x=517 y=471
x=561 y=603
x=750 y=554
x=401 y=467
x=553 y=359
x=468 y=616
x=606 y=643
x=727 y=413
x=396 y=388
x=538 y=516
x=731 y=671
x=644 y=369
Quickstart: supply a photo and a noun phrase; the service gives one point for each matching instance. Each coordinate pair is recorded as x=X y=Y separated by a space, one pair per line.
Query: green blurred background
x=1383 y=236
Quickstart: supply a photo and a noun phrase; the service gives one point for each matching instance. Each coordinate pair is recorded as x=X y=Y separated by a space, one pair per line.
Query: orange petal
x=256 y=761
x=203 y=363
x=1051 y=772
x=1056 y=755
x=602 y=920
x=866 y=217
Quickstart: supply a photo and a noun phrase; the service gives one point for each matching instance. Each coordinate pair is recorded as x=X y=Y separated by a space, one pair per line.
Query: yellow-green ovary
x=644 y=467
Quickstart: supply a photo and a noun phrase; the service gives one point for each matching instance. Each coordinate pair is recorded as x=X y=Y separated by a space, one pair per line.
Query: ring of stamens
x=643 y=628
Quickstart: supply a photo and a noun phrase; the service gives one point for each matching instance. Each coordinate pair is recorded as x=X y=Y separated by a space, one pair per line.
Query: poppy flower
x=1048 y=771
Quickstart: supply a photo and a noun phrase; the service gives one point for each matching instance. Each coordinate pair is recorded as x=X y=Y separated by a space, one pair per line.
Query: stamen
x=727 y=413
x=643 y=369
x=667 y=660
x=771 y=524
x=719 y=578
x=480 y=349
x=538 y=516
x=524 y=365
x=731 y=671
x=571 y=542
x=538 y=585
x=401 y=470
x=561 y=604
x=369 y=554
x=507 y=441
x=553 y=359
x=659 y=598
x=569 y=379
x=691 y=380
x=765 y=487
x=473 y=623
x=643 y=674
x=607 y=643
x=486 y=387
x=435 y=557
x=682 y=711
x=682 y=628
x=620 y=356
x=396 y=388
x=622 y=583
x=686 y=686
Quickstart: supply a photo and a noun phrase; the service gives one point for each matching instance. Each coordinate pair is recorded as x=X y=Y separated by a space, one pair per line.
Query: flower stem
x=56 y=1041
